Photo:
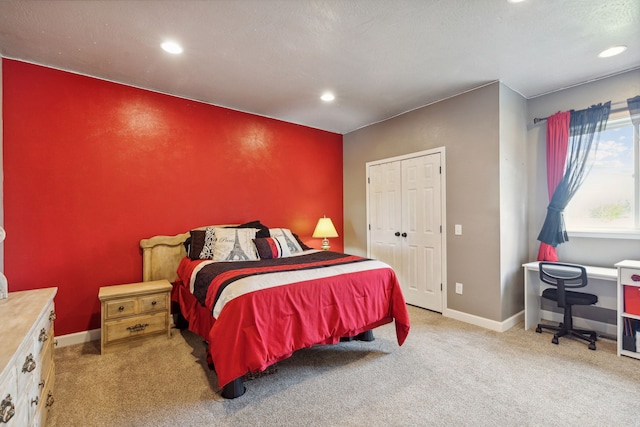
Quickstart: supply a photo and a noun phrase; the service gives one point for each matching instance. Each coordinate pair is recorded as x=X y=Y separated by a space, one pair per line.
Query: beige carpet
x=448 y=373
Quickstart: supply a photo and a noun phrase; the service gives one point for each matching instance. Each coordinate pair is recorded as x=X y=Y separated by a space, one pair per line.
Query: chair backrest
x=563 y=276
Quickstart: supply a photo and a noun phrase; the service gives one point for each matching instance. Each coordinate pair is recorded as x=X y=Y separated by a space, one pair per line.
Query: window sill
x=605 y=234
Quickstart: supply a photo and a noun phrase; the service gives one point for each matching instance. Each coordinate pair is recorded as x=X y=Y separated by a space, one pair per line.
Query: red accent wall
x=92 y=167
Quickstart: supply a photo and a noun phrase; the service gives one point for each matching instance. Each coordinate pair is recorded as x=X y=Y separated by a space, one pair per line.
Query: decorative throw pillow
x=208 y=244
x=285 y=236
x=196 y=243
x=234 y=244
x=269 y=248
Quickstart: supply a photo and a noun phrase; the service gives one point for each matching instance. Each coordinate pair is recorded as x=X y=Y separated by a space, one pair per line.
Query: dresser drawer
x=630 y=276
x=138 y=326
x=45 y=400
x=44 y=330
x=9 y=398
x=149 y=303
x=120 y=308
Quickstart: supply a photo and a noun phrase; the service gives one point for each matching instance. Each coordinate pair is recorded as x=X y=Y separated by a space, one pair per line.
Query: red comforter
x=260 y=323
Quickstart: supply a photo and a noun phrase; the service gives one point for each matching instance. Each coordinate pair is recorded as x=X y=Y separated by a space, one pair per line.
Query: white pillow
x=286 y=239
x=235 y=244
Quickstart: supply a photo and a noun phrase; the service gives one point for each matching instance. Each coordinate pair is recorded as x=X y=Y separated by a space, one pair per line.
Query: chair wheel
x=592 y=346
x=539 y=330
x=554 y=340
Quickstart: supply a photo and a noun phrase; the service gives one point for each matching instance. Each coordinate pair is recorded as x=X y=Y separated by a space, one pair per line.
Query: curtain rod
x=618 y=104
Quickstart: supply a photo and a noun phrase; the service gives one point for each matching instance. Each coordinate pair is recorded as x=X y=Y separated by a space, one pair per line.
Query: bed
x=257 y=294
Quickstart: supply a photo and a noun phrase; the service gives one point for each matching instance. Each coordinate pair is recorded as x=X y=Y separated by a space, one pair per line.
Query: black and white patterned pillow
x=285 y=236
x=234 y=244
x=209 y=243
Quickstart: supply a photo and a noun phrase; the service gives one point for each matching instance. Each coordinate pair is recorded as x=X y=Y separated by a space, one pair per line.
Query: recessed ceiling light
x=515 y=1
x=612 y=51
x=327 y=97
x=171 y=47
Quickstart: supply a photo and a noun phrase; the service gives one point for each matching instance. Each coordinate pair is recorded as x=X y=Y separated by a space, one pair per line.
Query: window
x=608 y=200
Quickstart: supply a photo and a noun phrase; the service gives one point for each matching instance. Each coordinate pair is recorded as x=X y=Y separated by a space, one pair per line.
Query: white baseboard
x=483 y=322
x=77 y=338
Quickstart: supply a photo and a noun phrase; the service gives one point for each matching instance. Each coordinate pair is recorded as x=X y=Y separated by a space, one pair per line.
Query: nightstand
x=133 y=313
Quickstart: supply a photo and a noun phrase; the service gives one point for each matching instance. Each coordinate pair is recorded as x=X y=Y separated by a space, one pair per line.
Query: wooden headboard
x=161 y=255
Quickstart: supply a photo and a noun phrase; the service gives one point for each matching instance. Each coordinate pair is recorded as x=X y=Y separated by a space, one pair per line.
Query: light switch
x=458 y=229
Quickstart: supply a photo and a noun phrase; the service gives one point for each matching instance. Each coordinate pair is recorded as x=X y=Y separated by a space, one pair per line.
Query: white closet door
x=421 y=222
x=385 y=202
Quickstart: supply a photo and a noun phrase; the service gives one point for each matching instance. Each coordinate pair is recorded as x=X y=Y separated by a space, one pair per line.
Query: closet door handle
x=404 y=234
x=397 y=234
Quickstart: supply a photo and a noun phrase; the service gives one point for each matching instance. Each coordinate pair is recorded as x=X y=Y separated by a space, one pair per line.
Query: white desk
x=604 y=284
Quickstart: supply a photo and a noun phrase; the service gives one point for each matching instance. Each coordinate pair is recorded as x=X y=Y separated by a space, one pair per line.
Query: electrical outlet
x=459 y=288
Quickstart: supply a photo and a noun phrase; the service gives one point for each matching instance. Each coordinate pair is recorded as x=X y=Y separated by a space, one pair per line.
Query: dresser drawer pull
x=121 y=308
x=29 y=364
x=41 y=384
x=154 y=302
x=35 y=401
x=50 y=400
x=43 y=335
x=7 y=409
x=52 y=316
x=137 y=328
x=635 y=277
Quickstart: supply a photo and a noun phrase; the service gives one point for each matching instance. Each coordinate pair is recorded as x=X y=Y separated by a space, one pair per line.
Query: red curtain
x=557 y=143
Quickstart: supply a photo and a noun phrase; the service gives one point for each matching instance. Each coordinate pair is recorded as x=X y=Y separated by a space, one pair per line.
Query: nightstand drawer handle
x=121 y=308
x=7 y=409
x=43 y=335
x=154 y=302
x=50 y=400
x=52 y=316
x=138 y=327
x=29 y=364
x=635 y=277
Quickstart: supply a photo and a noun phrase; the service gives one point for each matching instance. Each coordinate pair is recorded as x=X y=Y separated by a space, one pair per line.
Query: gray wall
x=513 y=200
x=468 y=126
x=591 y=251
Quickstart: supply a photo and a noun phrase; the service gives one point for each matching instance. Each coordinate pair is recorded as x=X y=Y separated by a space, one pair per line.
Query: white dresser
x=26 y=357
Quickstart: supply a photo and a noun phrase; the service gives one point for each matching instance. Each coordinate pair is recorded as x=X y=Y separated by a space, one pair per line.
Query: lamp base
x=325 y=244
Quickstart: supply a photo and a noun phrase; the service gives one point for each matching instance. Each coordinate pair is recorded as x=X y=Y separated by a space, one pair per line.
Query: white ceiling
x=275 y=57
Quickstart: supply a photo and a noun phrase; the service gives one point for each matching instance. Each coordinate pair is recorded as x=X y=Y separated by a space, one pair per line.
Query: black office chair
x=563 y=277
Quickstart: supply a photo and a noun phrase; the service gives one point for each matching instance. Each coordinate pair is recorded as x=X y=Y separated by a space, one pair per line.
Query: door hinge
x=369 y=227
x=440 y=287
x=368 y=180
x=440 y=170
x=441 y=229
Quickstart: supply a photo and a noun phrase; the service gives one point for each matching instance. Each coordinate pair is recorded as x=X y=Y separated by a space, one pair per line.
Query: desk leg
x=531 y=299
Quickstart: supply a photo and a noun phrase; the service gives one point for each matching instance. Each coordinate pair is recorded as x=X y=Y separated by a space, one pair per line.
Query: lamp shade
x=325 y=229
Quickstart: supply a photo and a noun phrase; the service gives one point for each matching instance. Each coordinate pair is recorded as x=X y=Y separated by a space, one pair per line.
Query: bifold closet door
x=421 y=221
x=405 y=225
x=385 y=214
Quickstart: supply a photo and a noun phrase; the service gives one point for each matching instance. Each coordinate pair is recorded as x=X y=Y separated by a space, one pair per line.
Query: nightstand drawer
x=155 y=302
x=135 y=327
x=120 y=308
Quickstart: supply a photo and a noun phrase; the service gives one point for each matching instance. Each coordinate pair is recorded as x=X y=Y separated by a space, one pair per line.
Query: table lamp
x=325 y=229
